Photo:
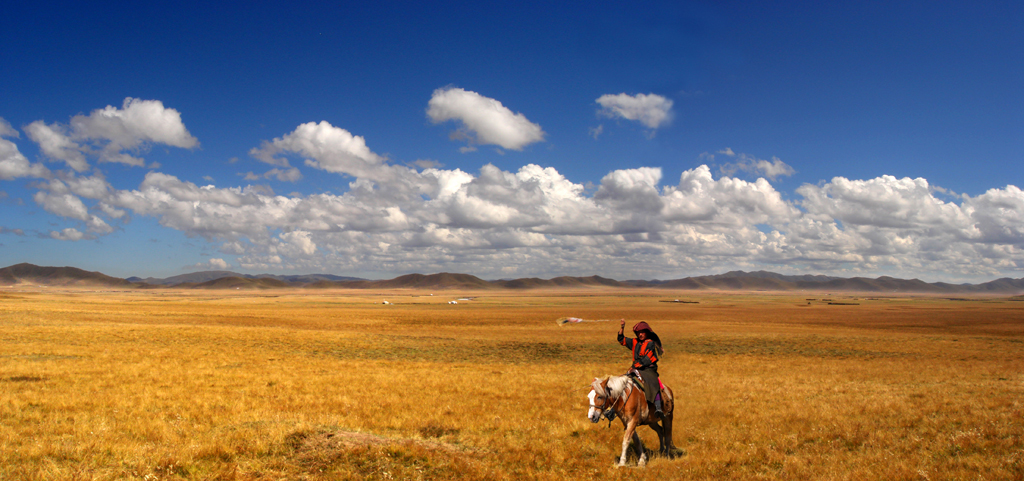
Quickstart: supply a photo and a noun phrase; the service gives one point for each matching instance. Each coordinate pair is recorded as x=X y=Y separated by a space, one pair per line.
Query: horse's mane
x=616 y=384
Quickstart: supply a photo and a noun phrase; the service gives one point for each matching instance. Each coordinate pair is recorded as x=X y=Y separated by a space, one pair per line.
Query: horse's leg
x=629 y=433
x=641 y=455
x=662 y=448
x=668 y=435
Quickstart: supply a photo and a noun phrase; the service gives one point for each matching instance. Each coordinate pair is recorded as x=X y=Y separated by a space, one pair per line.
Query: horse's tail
x=668 y=399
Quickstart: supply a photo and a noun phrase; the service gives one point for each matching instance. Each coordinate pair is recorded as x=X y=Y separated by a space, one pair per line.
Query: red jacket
x=645 y=353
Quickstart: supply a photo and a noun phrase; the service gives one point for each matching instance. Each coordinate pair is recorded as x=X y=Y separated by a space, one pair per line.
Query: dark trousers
x=650 y=377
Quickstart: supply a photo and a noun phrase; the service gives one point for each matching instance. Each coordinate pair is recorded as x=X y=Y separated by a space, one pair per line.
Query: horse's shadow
x=673 y=453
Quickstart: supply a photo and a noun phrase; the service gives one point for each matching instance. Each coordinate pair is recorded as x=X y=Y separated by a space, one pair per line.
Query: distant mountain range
x=733 y=281
x=57 y=276
x=206 y=276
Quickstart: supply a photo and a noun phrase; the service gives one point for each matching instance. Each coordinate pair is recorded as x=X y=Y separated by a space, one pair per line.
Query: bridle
x=607 y=407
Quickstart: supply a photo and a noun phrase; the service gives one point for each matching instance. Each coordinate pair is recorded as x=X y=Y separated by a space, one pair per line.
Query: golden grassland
x=295 y=384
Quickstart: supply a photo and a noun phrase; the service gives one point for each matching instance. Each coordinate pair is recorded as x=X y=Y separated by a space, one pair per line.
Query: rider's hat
x=642 y=326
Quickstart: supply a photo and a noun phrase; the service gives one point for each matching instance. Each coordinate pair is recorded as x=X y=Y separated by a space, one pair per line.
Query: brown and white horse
x=618 y=396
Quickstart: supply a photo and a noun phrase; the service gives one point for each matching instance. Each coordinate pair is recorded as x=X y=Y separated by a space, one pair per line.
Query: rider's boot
x=657 y=405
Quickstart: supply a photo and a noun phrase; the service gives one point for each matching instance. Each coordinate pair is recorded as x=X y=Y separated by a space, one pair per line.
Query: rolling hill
x=57 y=276
x=206 y=276
x=731 y=281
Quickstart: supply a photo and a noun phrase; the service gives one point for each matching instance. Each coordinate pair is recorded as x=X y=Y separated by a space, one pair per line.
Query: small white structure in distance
x=385 y=302
x=453 y=302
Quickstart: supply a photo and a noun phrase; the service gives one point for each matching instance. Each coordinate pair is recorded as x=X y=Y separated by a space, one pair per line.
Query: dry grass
x=332 y=385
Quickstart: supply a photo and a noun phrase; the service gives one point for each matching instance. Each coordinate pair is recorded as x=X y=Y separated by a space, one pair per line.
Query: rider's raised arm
x=625 y=341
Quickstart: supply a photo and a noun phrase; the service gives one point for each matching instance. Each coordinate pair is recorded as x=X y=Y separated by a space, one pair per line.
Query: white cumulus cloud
x=136 y=122
x=110 y=133
x=68 y=234
x=13 y=163
x=62 y=204
x=325 y=147
x=772 y=169
x=651 y=110
x=998 y=215
x=485 y=120
x=885 y=202
x=6 y=130
x=532 y=220
x=214 y=264
x=539 y=222
x=296 y=244
x=56 y=144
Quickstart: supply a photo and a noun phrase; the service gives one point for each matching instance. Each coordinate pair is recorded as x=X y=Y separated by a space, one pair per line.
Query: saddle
x=638 y=381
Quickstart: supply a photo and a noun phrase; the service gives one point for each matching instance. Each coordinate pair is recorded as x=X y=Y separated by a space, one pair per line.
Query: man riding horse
x=646 y=351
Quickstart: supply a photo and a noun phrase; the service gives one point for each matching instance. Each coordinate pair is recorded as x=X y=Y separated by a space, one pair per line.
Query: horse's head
x=600 y=401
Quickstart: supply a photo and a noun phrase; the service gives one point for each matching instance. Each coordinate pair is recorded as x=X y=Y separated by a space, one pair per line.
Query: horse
x=618 y=396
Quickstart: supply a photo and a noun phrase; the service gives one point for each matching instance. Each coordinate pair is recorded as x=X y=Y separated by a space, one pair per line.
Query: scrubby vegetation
x=335 y=385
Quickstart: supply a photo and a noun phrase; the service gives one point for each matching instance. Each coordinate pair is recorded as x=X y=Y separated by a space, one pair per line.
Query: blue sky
x=655 y=140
